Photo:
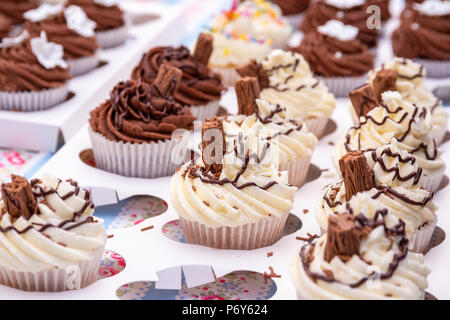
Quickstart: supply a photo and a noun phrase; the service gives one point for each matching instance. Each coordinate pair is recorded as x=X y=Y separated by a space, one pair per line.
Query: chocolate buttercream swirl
x=138 y=112
x=75 y=45
x=319 y=12
x=422 y=36
x=21 y=71
x=105 y=17
x=331 y=57
x=199 y=84
x=14 y=9
x=289 y=7
x=5 y=26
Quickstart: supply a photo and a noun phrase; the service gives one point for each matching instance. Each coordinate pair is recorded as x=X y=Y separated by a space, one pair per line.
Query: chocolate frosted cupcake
x=33 y=74
x=408 y=78
x=14 y=9
x=77 y=37
x=230 y=202
x=200 y=88
x=389 y=183
x=359 y=259
x=352 y=12
x=131 y=132
x=50 y=239
x=111 y=29
x=292 y=9
x=285 y=79
x=424 y=35
x=337 y=56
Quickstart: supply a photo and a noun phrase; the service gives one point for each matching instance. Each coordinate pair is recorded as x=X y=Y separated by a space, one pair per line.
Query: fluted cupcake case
x=113 y=37
x=205 y=111
x=54 y=279
x=33 y=100
x=435 y=68
x=317 y=125
x=244 y=237
x=229 y=75
x=141 y=160
x=83 y=65
x=341 y=86
x=297 y=170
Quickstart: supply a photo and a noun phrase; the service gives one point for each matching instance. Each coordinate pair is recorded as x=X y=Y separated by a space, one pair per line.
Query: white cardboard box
x=45 y=130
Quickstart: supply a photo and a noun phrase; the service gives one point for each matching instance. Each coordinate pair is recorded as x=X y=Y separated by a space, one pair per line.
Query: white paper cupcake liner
x=54 y=279
x=316 y=125
x=341 y=86
x=245 y=237
x=435 y=68
x=82 y=65
x=139 y=160
x=420 y=240
x=294 y=19
x=205 y=111
x=229 y=75
x=112 y=38
x=297 y=170
x=33 y=100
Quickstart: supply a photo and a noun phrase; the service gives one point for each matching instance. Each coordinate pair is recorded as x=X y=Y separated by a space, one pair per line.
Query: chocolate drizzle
x=397 y=230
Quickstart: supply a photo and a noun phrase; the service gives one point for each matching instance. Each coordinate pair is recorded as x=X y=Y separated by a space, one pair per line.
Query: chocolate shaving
x=213 y=163
x=356 y=173
x=363 y=99
x=247 y=91
x=343 y=237
x=18 y=198
x=385 y=80
x=203 y=48
x=168 y=79
x=256 y=70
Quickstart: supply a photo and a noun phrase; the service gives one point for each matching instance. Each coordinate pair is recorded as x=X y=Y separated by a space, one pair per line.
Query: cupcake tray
x=159 y=258
x=47 y=130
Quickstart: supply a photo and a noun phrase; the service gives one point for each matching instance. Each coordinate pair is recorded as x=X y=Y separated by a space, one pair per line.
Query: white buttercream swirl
x=293 y=86
x=398 y=119
x=289 y=140
x=368 y=202
x=216 y=205
x=59 y=246
x=376 y=252
x=411 y=85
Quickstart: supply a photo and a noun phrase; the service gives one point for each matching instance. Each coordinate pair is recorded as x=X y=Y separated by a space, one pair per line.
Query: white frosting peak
x=12 y=42
x=338 y=30
x=78 y=21
x=433 y=8
x=43 y=12
x=345 y=4
x=49 y=54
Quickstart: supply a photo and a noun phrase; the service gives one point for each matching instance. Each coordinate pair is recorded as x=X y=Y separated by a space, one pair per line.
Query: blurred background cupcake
x=200 y=88
x=337 y=56
x=286 y=80
x=292 y=9
x=111 y=26
x=424 y=35
x=246 y=31
x=69 y=27
x=33 y=74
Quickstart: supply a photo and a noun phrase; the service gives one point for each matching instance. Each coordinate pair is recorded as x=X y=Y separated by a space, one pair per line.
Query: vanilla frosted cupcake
x=245 y=32
x=230 y=202
x=410 y=82
x=50 y=240
x=359 y=259
x=286 y=79
x=289 y=143
x=381 y=187
x=394 y=118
